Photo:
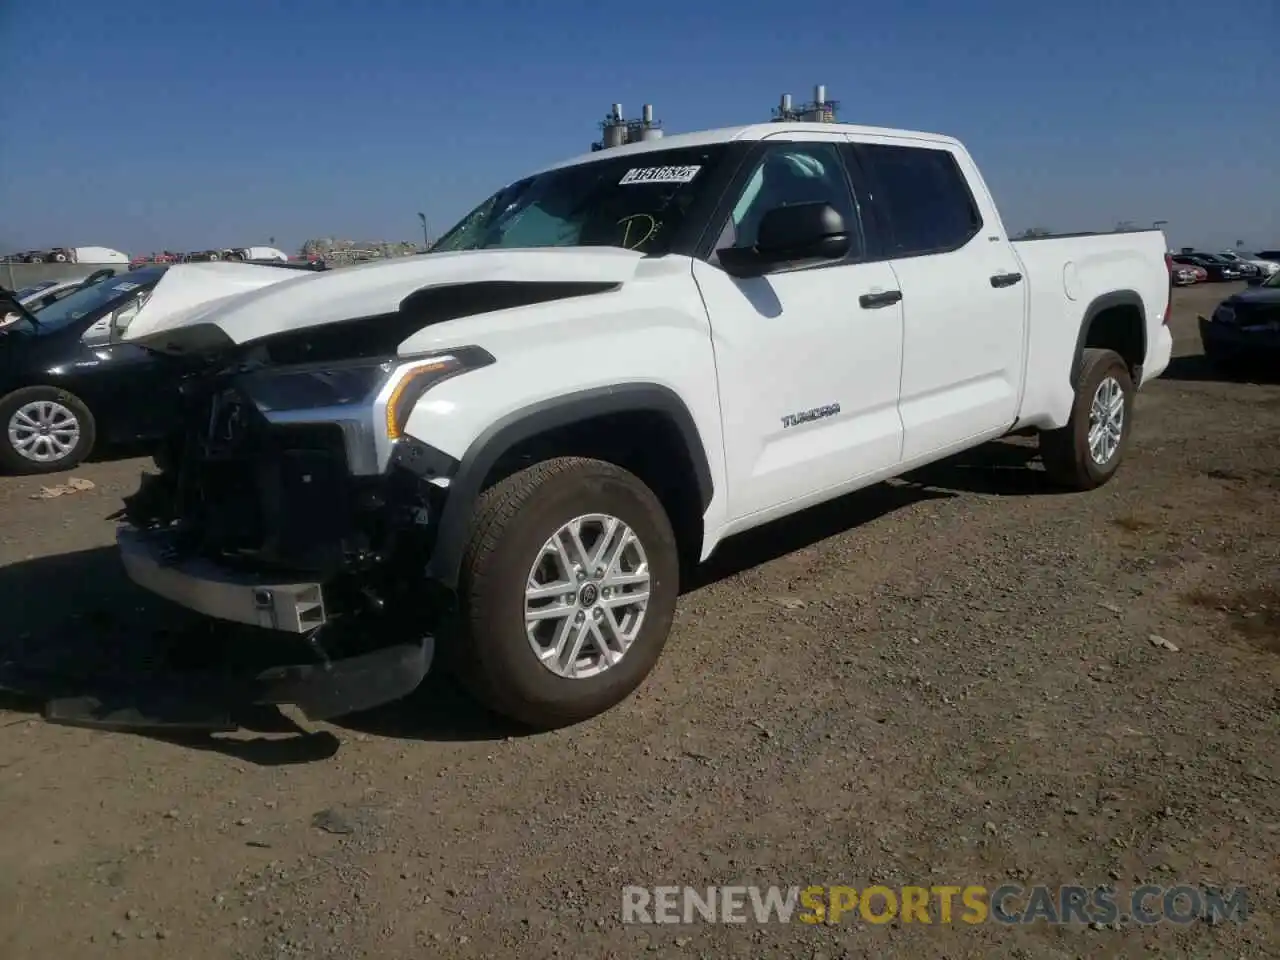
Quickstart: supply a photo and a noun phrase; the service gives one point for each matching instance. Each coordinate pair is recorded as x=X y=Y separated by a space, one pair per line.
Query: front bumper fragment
x=216 y=592
x=212 y=700
x=368 y=663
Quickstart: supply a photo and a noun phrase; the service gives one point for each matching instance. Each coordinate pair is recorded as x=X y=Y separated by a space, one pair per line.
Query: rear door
x=963 y=293
x=807 y=358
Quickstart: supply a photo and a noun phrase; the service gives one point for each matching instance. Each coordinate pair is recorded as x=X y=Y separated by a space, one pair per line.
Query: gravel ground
x=949 y=679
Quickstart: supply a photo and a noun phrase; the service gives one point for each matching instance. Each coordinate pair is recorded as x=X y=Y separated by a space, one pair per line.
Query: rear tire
x=505 y=641
x=68 y=439
x=1086 y=453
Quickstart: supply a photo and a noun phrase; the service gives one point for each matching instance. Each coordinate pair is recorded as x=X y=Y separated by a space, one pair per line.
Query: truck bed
x=1070 y=277
x=1086 y=233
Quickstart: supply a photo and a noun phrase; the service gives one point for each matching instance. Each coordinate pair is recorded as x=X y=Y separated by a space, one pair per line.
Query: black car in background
x=1244 y=331
x=1218 y=268
x=68 y=381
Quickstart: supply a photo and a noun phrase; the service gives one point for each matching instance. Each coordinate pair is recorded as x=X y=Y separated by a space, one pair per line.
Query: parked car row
x=105 y=255
x=231 y=254
x=86 y=255
x=1191 y=266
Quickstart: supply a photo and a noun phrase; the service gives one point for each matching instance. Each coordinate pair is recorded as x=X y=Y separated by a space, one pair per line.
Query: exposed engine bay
x=263 y=474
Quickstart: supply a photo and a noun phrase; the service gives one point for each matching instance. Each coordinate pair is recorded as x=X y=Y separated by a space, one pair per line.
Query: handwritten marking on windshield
x=640 y=224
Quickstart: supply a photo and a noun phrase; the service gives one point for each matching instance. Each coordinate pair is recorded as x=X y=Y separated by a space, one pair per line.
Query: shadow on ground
x=99 y=646
x=109 y=452
x=101 y=453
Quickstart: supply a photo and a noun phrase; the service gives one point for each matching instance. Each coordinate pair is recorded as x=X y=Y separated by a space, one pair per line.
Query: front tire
x=44 y=430
x=1086 y=453
x=567 y=591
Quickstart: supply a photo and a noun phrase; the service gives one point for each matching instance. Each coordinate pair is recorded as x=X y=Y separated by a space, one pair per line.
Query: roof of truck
x=754 y=131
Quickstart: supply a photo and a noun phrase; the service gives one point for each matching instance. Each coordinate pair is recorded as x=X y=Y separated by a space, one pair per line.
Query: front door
x=808 y=359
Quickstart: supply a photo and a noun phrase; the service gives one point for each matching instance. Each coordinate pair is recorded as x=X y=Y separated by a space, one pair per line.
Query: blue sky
x=188 y=125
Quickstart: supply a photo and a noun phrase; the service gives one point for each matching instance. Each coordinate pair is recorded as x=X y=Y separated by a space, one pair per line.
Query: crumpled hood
x=190 y=289
x=372 y=289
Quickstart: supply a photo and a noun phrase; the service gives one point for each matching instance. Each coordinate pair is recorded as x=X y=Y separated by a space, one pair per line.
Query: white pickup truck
x=506 y=451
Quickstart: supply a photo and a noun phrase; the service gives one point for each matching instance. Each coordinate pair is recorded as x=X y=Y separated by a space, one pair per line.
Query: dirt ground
x=945 y=680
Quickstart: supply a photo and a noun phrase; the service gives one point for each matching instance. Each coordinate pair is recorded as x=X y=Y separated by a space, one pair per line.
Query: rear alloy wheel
x=45 y=430
x=568 y=589
x=1086 y=453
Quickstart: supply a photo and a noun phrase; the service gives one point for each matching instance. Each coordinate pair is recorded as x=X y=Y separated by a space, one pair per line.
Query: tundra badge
x=805 y=416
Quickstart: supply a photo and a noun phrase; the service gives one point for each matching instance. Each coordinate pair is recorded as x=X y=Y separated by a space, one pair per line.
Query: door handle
x=1005 y=279
x=886 y=299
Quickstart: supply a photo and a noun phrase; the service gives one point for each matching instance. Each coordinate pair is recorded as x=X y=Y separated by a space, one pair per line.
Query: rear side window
x=924 y=197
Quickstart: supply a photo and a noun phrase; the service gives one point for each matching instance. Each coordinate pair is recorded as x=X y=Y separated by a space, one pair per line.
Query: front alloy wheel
x=587 y=596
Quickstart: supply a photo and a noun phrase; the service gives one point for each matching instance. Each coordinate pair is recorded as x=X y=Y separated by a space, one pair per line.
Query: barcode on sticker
x=660 y=175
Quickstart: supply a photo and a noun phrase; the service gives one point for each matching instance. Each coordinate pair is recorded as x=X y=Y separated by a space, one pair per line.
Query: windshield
x=96 y=299
x=637 y=201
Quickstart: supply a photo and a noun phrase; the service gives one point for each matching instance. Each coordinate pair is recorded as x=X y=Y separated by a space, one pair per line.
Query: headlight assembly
x=313 y=387
x=411 y=379
x=1224 y=314
x=368 y=400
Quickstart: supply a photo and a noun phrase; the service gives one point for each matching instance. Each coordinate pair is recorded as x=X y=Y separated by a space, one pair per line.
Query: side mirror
x=787 y=235
x=122 y=317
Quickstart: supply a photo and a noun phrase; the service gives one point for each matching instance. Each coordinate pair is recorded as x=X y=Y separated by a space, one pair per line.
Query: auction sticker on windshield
x=125 y=287
x=660 y=175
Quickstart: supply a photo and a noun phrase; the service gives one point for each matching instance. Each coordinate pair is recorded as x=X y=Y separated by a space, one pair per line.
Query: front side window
x=791 y=173
x=636 y=201
x=925 y=197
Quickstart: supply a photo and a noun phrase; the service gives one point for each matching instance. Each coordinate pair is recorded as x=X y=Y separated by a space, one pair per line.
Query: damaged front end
x=293 y=501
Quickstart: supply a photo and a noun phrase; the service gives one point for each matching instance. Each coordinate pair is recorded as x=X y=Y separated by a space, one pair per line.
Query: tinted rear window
x=925 y=197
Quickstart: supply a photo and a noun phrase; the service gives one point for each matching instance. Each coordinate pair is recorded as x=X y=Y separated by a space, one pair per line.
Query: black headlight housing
x=314 y=386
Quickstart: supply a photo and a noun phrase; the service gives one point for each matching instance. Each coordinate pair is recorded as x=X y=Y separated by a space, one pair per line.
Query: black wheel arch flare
x=467 y=476
x=1116 y=298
